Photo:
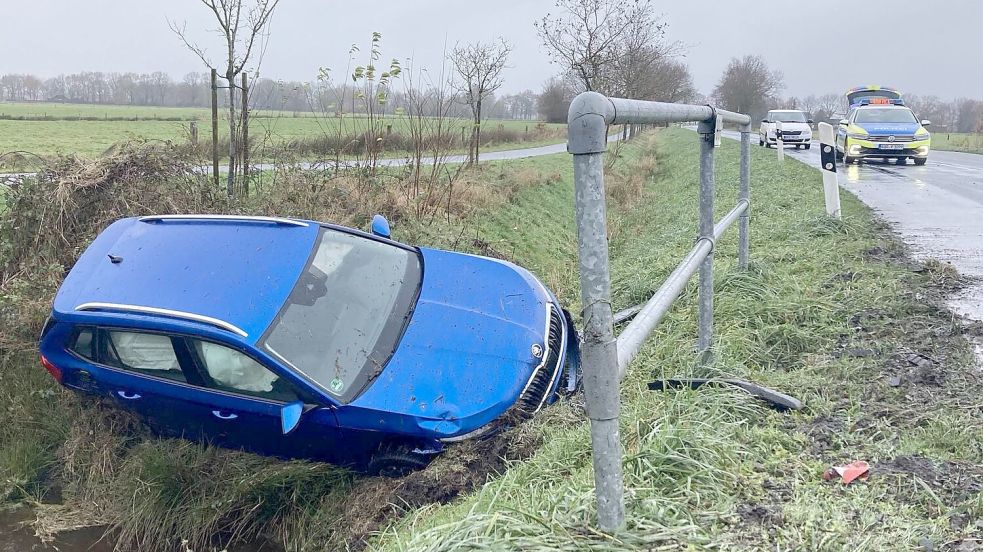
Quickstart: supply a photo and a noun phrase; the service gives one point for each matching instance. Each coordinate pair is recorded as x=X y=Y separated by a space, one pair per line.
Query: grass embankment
x=831 y=312
x=90 y=130
x=965 y=142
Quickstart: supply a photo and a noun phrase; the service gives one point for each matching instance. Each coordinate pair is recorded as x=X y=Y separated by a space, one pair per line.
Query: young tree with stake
x=243 y=28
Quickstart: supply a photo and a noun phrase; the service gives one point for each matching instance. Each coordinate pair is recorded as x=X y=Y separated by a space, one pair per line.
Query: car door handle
x=224 y=416
x=128 y=396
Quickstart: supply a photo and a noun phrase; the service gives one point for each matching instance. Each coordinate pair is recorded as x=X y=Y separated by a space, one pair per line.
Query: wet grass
x=827 y=314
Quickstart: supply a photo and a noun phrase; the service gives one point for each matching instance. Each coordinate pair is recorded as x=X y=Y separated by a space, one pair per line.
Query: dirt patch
x=377 y=501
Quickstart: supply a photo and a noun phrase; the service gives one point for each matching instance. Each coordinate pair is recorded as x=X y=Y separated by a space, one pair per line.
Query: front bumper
x=791 y=139
x=869 y=148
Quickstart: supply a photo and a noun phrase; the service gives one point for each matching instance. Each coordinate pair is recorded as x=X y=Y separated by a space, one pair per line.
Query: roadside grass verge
x=832 y=312
x=952 y=141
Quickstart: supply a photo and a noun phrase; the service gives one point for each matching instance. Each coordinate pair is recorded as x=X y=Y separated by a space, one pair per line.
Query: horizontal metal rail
x=730 y=218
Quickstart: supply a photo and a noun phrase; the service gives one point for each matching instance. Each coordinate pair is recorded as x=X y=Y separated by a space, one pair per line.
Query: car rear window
x=84 y=344
x=147 y=353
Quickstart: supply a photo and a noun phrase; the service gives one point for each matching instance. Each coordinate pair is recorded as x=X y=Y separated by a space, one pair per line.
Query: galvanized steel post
x=587 y=140
x=708 y=134
x=744 y=194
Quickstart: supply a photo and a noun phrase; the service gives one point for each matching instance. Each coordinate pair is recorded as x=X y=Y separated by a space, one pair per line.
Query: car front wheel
x=921 y=161
x=808 y=146
x=396 y=461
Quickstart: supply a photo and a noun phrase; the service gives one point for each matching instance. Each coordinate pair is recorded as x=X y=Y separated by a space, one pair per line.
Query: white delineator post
x=779 y=144
x=827 y=153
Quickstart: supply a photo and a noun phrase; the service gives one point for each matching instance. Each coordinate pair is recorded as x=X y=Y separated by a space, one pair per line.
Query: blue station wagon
x=301 y=339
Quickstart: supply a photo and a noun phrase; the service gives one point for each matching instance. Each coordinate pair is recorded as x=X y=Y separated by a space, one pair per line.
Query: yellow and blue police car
x=879 y=125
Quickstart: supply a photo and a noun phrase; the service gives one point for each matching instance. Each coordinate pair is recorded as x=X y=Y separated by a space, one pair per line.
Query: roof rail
x=241 y=218
x=164 y=312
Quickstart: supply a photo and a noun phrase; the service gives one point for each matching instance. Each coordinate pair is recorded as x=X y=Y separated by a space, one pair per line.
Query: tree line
x=193 y=90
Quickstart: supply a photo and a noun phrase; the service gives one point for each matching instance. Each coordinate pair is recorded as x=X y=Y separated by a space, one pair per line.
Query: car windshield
x=788 y=116
x=345 y=315
x=882 y=115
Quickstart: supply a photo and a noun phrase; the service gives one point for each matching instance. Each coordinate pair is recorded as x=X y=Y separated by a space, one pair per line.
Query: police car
x=880 y=126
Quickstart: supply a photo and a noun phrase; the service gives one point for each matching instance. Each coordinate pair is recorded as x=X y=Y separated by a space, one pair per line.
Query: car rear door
x=142 y=372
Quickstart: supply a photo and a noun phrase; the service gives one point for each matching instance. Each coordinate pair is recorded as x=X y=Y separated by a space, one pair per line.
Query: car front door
x=241 y=400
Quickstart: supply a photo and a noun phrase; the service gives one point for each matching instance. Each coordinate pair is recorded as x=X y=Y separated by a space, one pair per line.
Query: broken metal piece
x=779 y=401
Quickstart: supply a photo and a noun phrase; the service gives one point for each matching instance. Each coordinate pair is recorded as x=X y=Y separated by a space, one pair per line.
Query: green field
x=969 y=143
x=94 y=137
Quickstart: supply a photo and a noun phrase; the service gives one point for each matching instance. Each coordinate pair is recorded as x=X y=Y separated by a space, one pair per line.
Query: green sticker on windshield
x=337 y=385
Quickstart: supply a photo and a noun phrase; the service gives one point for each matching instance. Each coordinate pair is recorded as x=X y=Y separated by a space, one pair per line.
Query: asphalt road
x=936 y=208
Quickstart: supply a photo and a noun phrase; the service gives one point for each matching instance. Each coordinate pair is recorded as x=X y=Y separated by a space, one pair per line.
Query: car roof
x=785 y=111
x=234 y=270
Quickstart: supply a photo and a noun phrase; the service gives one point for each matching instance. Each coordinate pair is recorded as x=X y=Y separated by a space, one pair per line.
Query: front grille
x=539 y=386
x=791 y=132
x=887 y=138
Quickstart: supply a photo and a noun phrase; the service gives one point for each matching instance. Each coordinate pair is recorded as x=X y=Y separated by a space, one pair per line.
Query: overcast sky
x=920 y=46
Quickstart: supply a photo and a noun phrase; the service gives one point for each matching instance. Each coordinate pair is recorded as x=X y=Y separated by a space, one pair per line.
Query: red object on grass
x=849 y=473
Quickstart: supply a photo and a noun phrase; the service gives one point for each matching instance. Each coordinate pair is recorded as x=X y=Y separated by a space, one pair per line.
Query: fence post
x=779 y=143
x=708 y=135
x=743 y=239
x=587 y=142
x=215 y=126
x=245 y=135
x=827 y=154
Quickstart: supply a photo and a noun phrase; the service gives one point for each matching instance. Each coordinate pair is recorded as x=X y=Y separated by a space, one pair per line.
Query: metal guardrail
x=604 y=358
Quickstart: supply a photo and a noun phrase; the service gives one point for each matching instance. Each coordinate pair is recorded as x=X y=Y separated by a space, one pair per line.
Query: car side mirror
x=926 y=122
x=380 y=226
x=765 y=121
x=290 y=414
x=844 y=122
x=810 y=121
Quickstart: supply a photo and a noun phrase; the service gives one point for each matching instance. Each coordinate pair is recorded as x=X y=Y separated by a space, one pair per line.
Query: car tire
x=921 y=161
x=808 y=146
x=761 y=141
x=798 y=146
x=395 y=461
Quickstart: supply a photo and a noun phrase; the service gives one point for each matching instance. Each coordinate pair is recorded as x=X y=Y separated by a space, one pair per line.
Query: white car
x=796 y=129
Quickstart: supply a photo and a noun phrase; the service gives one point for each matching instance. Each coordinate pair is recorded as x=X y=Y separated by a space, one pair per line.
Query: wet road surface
x=936 y=208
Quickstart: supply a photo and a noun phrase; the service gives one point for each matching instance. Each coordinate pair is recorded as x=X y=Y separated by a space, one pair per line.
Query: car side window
x=234 y=371
x=143 y=353
x=84 y=343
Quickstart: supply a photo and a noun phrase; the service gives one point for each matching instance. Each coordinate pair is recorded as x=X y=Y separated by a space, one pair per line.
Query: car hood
x=902 y=129
x=466 y=354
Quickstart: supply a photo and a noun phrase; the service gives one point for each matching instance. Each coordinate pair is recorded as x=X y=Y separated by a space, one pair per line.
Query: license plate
x=890 y=146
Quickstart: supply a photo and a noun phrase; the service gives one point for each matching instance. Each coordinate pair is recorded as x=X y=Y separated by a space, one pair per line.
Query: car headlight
x=858 y=136
x=925 y=136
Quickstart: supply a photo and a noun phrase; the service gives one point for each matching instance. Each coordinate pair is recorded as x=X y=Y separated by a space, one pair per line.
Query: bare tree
x=584 y=37
x=243 y=28
x=480 y=67
x=748 y=86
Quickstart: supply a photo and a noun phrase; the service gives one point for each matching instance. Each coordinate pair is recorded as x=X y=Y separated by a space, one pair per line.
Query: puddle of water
x=17 y=535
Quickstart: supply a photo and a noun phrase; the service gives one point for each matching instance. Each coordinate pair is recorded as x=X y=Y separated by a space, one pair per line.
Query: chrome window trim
x=242 y=218
x=164 y=312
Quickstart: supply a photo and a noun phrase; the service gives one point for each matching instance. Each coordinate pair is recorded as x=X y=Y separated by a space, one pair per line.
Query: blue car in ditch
x=300 y=339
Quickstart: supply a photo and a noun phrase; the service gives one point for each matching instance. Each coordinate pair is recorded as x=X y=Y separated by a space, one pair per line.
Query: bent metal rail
x=605 y=359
